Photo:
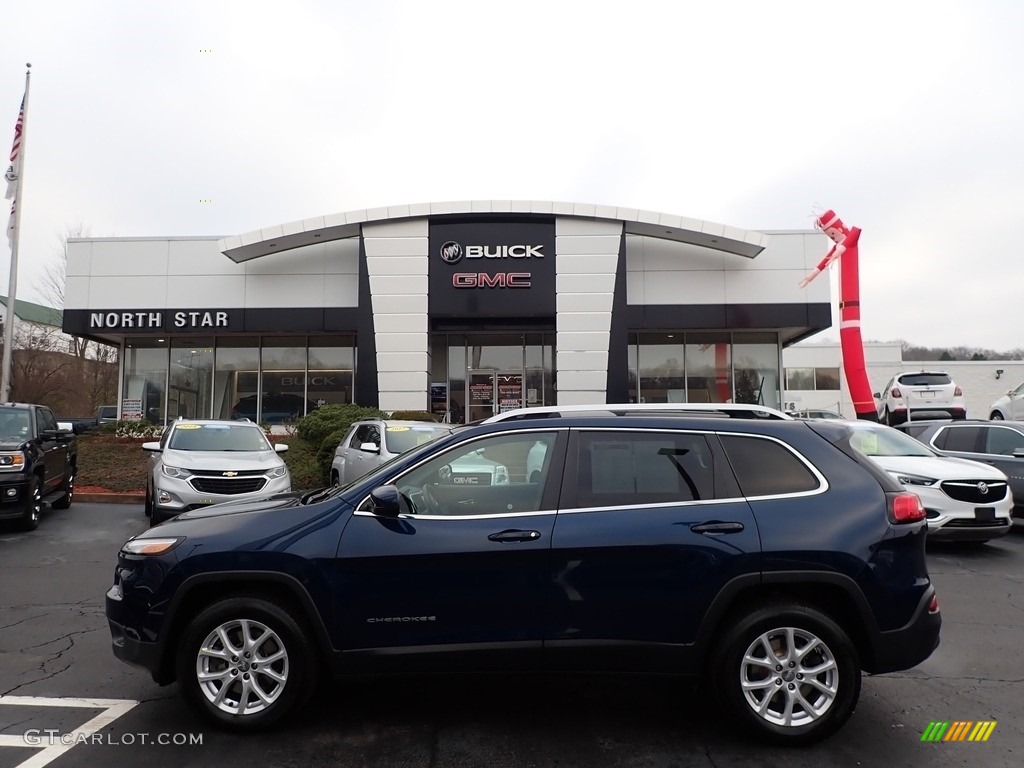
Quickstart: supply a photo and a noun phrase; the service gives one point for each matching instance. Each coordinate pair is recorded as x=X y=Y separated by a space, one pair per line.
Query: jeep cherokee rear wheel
x=789 y=672
x=245 y=663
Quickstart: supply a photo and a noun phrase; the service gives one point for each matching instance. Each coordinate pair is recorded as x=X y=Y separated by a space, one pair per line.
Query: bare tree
x=55 y=277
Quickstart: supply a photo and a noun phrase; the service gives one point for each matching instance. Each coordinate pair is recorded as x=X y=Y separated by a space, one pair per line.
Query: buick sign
x=451 y=252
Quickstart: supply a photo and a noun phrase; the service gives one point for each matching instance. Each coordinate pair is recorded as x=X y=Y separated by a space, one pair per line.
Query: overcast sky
x=904 y=117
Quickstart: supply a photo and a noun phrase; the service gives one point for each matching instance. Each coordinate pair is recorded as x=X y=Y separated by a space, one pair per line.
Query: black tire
x=147 y=510
x=996 y=416
x=68 y=486
x=33 y=505
x=889 y=420
x=814 y=714
x=272 y=629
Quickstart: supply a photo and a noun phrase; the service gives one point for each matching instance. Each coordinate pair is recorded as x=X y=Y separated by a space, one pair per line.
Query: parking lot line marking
x=112 y=709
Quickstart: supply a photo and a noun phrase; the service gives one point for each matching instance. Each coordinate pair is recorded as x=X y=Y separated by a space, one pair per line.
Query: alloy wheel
x=242 y=667
x=789 y=677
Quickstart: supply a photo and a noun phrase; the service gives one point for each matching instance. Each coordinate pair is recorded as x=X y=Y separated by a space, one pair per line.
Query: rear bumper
x=909 y=645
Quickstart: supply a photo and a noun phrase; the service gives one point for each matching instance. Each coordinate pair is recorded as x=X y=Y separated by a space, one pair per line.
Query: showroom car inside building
x=463 y=309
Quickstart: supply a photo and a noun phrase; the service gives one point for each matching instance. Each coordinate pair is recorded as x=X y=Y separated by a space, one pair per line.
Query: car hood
x=940 y=467
x=11 y=444
x=278 y=501
x=222 y=460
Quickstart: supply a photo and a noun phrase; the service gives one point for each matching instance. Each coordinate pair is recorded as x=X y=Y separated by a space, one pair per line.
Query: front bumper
x=13 y=495
x=176 y=495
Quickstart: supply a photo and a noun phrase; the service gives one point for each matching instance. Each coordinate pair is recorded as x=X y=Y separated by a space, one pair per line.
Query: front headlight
x=14 y=461
x=176 y=472
x=906 y=479
x=278 y=471
x=153 y=546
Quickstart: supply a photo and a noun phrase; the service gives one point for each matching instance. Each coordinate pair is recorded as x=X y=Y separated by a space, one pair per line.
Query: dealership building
x=464 y=309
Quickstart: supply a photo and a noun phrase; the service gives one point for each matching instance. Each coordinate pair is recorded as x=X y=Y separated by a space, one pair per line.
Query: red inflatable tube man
x=845 y=249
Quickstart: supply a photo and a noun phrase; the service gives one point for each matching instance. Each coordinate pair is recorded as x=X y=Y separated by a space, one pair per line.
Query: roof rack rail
x=720 y=410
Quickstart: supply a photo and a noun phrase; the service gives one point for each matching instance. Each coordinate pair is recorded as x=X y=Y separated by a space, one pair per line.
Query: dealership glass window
x=539 y=358
x=457 y=378
x=439 y=375
x=660 y=365
x=708 y=368
x=826 y=378
x=236 y=377
x=800 y=378
x=283 y=380
x=145 y=378
x=331 y=364
x=755 y=362
x=190 y=382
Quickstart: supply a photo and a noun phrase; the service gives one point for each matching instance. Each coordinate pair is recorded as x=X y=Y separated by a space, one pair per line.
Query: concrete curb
x=111 y=498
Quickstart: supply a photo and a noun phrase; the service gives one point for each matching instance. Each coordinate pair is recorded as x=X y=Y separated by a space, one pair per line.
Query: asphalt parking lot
x=65 y=701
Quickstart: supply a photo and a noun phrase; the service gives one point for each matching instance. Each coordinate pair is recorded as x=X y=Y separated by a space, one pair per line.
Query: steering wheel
x=431 y=505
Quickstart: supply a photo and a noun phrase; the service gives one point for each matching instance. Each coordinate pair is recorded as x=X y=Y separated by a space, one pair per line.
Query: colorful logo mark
x=959 y=730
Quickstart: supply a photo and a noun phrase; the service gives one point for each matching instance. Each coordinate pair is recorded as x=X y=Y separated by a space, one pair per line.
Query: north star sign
x=182 y=319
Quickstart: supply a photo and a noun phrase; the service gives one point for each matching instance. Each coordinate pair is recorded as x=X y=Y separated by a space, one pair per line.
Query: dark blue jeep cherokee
x=766 y=555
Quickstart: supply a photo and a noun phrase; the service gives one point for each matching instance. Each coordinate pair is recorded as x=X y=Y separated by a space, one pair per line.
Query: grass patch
x=119 y=464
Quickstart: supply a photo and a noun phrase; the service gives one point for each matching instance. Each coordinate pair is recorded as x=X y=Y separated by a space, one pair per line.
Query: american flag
x=13 y=169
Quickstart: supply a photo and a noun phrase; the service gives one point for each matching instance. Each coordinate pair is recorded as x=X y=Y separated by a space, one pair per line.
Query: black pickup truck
x=38 y=461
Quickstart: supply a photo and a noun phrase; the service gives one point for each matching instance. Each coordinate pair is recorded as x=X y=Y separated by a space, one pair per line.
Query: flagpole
x=12 y=288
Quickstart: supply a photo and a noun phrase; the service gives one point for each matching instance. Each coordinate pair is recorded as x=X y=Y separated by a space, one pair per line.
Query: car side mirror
x=877 y=395
x=386 y=501
x=280 y=447
x=153 y=446
x=370 y=447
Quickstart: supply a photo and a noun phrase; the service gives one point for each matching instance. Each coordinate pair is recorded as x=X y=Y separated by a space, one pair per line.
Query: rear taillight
x=905 y=508
x=896 y=392
x=933 y=604
x=957 y=392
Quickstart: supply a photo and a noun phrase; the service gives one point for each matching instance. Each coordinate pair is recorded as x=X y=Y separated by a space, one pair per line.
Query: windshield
x=14 y=424
x=218 y=437
x=925 y=379
x=885 y=441
x=401 y=438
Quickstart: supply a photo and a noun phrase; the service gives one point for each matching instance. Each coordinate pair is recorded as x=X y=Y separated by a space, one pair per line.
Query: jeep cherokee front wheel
x=789 y=672
x=245 y=663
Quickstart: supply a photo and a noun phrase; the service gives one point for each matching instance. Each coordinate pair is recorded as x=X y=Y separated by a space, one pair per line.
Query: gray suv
x=199 y=463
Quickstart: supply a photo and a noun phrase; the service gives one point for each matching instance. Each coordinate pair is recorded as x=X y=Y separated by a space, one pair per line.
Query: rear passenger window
x=767 y=468
x=1002 y=440
x=958 y=439
x=629 y=469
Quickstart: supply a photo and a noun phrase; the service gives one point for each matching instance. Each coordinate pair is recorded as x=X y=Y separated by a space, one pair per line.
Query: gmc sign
x=496 y=280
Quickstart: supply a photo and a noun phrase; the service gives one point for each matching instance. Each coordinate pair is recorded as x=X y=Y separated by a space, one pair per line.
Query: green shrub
x=301 y=460
x=130 y=428
x=332 y=418
x=415 y=416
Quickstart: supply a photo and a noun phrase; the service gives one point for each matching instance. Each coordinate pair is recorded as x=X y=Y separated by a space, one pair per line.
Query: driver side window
x=504 y=474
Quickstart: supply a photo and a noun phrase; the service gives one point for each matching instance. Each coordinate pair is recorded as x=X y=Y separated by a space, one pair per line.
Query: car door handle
x=505 y=536
x=717 y=526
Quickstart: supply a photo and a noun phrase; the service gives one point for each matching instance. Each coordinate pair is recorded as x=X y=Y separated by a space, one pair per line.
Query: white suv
x=1009 y=406
x=920 y=395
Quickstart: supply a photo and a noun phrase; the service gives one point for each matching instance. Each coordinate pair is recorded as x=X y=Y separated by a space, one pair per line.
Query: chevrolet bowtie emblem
x=229 y=474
